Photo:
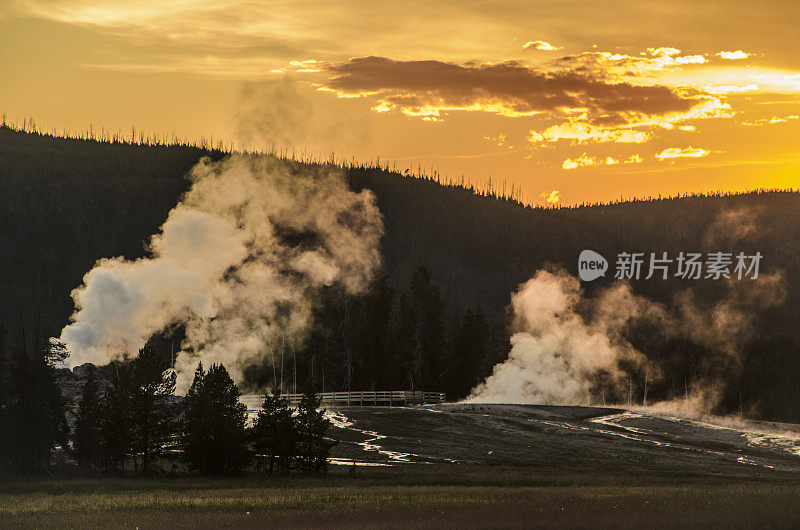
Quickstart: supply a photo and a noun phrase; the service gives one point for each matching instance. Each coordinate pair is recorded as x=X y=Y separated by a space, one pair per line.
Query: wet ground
x=565 y=438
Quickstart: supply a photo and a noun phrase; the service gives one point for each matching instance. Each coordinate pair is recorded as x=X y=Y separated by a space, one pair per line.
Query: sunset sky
x=572 y=100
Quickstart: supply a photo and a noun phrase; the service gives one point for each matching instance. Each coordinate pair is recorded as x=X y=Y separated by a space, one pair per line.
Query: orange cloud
x=577 y=132
x=738 y=54
x=551 y=197
x=499 y=140
x=540 y=45
x=430 y=89
x=586 y=160
x=770 y=121
x=677 y=152
x=617 y=65
x=729 y=89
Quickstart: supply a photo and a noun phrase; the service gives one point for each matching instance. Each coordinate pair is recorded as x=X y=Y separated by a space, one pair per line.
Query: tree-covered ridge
x=67 y=202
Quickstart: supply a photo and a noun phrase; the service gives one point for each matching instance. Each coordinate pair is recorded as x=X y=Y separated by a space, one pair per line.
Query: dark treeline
x=32 y=408
x=132 y=423
x=384 y=339
x=64 y=203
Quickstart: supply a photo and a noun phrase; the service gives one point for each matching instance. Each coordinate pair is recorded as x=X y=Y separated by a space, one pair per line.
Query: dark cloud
x=507 y=87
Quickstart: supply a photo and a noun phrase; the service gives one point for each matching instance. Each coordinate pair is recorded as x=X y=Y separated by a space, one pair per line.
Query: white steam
x=566 y=349
x=557 y=354
x=237 y=262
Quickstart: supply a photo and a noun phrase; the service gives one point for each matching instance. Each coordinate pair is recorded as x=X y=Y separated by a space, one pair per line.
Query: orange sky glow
x=569 y=101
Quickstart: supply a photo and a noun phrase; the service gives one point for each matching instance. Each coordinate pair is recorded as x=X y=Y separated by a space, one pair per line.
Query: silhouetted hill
x=64 y=203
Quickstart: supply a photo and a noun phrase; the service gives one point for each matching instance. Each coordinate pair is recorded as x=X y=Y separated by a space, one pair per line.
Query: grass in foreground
x=436 y=498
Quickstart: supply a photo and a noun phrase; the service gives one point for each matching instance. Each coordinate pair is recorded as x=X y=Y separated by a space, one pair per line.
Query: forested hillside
x=64 y=203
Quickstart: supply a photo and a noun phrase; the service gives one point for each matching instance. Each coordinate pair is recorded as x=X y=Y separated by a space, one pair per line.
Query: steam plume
x=557 y=354
x=237 y=262
x=289 y=114
x=568 y=349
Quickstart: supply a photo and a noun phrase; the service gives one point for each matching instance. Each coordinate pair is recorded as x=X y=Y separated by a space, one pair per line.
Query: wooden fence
x=390 y=398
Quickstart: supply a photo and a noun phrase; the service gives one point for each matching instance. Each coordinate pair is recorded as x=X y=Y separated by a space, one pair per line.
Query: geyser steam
x=237 y=262
x=555 y=352
x=568 y=349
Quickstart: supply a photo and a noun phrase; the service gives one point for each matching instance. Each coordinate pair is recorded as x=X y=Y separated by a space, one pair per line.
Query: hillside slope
x=64 y=203
x=566 y=439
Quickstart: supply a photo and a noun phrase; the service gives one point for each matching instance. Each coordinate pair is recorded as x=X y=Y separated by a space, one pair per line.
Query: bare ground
x=569 y=439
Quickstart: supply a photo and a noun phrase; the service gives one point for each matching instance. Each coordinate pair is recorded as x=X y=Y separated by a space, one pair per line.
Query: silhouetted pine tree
x=471 y=345
x=377 y=344
x=115 y=423
x=421 y=333
x=5 y=368
x=87 y=440
x=194 y=431
x=214 y=423
x=32 y=418
x=275 y=432
x=153 y=415
x=313 y=448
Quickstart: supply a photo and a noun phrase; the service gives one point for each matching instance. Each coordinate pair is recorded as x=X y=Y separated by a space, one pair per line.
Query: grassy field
x=492 y=467
x=430 y=496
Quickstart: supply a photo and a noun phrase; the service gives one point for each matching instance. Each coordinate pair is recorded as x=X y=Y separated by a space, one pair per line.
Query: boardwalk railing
x=391 y=398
